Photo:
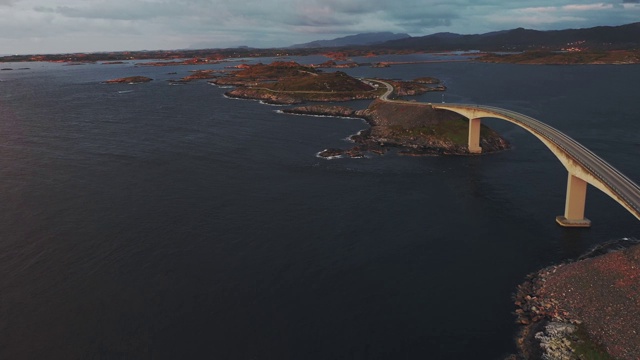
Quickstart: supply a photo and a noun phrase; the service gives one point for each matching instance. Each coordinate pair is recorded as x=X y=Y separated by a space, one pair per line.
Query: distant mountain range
x=354 y=40
x=596 y=38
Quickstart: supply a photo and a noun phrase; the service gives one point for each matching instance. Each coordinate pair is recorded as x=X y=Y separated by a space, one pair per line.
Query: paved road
x=385 y=96
x=627 y=190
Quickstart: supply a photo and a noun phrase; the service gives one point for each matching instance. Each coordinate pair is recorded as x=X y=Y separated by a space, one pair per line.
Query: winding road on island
x=597 y=172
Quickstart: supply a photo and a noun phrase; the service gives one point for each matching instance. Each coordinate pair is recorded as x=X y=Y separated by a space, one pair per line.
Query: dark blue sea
x=168 y=222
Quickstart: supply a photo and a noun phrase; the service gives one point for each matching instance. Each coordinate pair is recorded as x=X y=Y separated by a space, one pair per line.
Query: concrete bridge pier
x=474 y=136
x=574 y=204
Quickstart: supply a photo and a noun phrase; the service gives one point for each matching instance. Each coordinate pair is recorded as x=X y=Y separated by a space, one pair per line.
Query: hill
x=596 y=38
x=291 y=83
x=353 y=40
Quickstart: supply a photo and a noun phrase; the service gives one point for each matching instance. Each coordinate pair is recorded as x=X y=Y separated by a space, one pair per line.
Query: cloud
x=417 y=26
x=149 y=24
x=587 y=7
x=135 y=10
x=328 y=16
x=569 y=15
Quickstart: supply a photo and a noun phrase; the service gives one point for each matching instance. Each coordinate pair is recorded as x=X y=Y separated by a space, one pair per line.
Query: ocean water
x=161 y=222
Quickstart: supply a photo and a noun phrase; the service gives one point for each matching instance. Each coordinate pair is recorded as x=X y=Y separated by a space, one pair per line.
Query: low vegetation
x=292 y=83
x=455 y=130
x=324 y=82
x=585 y=348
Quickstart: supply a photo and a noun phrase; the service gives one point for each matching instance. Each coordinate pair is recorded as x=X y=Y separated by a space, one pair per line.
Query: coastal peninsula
x=412 y=128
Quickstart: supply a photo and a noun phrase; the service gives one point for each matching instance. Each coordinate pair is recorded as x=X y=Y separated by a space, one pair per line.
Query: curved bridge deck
x=583 y=165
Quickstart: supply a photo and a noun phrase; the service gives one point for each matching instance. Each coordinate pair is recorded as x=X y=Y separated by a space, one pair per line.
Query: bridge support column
x=574 y=205
x=474 y=136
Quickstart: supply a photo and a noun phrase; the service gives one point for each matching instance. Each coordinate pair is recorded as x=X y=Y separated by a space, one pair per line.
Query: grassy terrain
x=455 y=131
x=323 y=82
x=293 y=82
x=586 y=349
x=274 y=71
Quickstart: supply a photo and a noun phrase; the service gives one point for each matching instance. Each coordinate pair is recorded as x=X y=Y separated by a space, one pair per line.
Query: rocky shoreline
x=291 y=98
x=264 y=96
x=589 y=308
x=323 y=110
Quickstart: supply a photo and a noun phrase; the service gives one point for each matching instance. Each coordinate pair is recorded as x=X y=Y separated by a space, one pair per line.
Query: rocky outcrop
x=427 y=80
x=129 y=80
x=354 y=152
x=555 y=343
x=196 y=75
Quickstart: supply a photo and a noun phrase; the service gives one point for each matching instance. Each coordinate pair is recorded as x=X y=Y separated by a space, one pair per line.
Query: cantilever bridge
x=584 y=167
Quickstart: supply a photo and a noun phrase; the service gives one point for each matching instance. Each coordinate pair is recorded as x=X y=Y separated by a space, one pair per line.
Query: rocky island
x=292 y=83
x=195 y=75
x=129 y=80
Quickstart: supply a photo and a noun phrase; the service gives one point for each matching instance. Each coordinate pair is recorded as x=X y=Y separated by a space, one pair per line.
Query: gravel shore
x=591 y=305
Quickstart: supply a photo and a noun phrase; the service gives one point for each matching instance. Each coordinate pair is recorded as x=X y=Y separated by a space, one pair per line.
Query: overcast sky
x=49 y=26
